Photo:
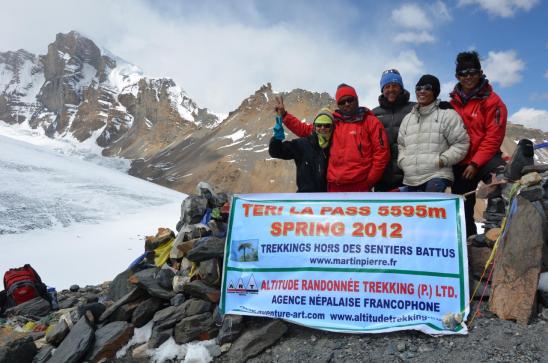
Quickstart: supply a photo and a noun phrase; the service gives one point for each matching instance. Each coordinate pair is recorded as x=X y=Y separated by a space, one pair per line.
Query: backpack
x=23 y=284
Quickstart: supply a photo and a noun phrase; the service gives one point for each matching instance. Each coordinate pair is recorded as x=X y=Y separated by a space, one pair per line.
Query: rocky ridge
x=78 y=90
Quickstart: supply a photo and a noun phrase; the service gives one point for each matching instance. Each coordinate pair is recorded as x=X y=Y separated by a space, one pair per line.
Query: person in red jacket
x=484 y=115
x=359 y=151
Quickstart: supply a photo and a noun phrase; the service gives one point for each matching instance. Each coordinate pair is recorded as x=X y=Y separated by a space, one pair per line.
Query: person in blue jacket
x=310 y=153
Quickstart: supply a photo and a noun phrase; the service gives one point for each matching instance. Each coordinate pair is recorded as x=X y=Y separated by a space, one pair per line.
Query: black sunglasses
x=426 y=87
x=346 y=101
x=468 y=72
x=327 y=126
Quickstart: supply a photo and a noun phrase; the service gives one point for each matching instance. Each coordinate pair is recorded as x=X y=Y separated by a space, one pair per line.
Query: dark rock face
x=20 y=349
x=147 y=280
x=207 y=248
x=97 y=309
x=515 y=277
x=193 y=209
x=76 y=344
x=145 y=311
x=109 y=339
x=58 y=333
x=210 y=272
x=193 y=327
x=254 y=341
x=230 y=330
x=200 y=290
x=125 y=312
x=36 y=307
x=131 y=296
x=120 y=286
x=43 y=354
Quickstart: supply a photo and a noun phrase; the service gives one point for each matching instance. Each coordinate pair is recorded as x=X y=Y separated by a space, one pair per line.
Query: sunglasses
x=468 y=72
x=426 y=87
x=325 y=126
x=346 y=101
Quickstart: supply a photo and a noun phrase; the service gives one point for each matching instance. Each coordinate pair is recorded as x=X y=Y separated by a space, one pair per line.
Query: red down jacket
x=359 y=150
x=484 y=116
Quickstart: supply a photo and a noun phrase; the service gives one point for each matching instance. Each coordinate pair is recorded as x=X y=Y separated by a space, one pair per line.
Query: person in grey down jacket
x=431 y=139
x=394 y=104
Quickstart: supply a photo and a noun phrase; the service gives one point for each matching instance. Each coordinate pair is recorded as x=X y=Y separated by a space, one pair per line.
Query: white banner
x=349 y=262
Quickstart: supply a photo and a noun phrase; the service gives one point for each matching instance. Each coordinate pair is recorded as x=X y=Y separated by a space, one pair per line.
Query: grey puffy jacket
x=426 y=136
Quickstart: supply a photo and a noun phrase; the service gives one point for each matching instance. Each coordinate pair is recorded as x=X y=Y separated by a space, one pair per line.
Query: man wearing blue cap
x=393 y=106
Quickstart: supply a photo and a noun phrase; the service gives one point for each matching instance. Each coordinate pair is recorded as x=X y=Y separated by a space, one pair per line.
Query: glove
x=278 y=129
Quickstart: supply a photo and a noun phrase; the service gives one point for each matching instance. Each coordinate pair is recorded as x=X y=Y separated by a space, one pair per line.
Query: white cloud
x=532 y=118
x=220 y=53
x=546 y=74
x=411 y=16
x=504 y=67
x=536 y=96
x=419 y=22
x=446 y=88
x=502 y=8
x=414 y=37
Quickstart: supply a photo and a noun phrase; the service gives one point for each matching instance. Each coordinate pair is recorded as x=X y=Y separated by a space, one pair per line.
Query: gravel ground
x=489 y=340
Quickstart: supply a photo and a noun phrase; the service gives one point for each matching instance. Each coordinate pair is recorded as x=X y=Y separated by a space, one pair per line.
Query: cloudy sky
x=221 y=52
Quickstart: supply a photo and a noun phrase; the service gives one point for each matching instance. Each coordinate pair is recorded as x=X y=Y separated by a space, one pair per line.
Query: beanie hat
x=345 y=90
x=391 y=76
x=431 y=80
x=324 y=117
x=467 y=60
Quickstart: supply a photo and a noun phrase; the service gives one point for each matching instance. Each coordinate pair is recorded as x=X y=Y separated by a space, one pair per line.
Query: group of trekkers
x=401 y=145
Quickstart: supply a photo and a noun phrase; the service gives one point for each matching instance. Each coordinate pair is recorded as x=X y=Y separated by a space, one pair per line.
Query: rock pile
x=516 y=225
x=172 y=291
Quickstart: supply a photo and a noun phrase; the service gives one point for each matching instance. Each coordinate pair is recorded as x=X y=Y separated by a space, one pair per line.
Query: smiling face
x=469 y=79
x=425 y=95
x=391 y=91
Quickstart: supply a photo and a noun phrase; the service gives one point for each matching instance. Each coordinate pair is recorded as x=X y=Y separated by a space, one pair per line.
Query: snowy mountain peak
x=79 y=90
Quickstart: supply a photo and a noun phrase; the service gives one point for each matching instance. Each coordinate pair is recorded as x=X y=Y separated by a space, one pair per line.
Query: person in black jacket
x=310 y=153
x=393 y=106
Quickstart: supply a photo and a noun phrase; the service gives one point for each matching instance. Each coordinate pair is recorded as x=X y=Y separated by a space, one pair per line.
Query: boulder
x=158 y=337
x=254 y=341
x=16 y=347
x=518 y=264
x=125 y=312
x=97 y=309
x=56 y=335
x=192 y=209
x=77 y=343
x=33 y=308
x=168 y=317
x=68 y=303
x=146 y=279
x=43 y=354
x=477 y=258
x=532 y=193
x=200 y=290
x=210 y=272
x=193 y=327
x=145 y=311
x=165 y=278
x=230 y=330
x=207 y=248
x=109 y=339
x=492 y=235
x=134 y=294
x=185 y=246
x=177 y=300
x=120 y=286
x=74 y=288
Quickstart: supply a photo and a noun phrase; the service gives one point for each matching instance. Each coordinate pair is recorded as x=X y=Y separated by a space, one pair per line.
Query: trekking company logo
x=241 y=288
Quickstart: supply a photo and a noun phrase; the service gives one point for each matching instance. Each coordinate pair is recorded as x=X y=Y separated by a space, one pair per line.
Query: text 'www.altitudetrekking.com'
x=361 y=317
